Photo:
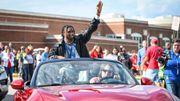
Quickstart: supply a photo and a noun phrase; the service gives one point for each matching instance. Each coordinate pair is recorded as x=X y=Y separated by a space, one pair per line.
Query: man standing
x=141 y=54
x=45 y=54
x=152 y=53
x=20 y=57
x=73 y=46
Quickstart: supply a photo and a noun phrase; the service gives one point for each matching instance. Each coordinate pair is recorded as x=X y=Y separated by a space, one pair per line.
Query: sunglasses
x=109 y=71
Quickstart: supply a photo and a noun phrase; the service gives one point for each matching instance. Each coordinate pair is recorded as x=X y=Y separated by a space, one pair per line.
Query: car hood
x=104 y=92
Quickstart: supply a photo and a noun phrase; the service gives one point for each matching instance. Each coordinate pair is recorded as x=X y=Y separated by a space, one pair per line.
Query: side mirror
x=18 y=84
x=146 y=81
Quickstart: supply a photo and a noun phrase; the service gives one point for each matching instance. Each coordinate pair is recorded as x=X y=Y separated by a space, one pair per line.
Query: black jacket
x=80 y=41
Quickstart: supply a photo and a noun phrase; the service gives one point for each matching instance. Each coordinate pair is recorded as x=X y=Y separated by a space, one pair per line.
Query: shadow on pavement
x=8 y=98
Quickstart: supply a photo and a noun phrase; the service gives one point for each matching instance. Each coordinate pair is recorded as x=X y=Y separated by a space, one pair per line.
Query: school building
x=40 y=30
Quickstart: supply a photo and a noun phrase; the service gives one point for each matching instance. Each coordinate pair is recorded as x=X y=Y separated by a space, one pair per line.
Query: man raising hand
x=74 y=46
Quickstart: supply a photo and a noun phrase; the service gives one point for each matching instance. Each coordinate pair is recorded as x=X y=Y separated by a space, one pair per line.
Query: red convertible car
x=87 y=80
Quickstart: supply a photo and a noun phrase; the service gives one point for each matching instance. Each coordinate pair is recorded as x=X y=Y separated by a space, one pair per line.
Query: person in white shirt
x=114 y=55
x=38 y=58
x=8 y=62
x=28 y=65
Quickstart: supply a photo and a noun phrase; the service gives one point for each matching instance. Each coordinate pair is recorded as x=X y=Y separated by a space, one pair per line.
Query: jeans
x=9 y=72
x=20 y=69
x=27 y=72
x=174 y=88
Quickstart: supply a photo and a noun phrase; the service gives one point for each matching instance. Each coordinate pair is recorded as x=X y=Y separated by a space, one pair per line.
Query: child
x=161 y=64
x=133 y=60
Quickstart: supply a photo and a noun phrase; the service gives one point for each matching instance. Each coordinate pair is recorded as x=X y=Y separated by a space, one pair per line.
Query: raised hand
x=99 y=8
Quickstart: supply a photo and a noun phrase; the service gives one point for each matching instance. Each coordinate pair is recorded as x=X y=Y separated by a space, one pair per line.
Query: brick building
x=40 y=30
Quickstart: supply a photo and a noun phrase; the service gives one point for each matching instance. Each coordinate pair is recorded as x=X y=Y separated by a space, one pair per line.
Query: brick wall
x=48 y=25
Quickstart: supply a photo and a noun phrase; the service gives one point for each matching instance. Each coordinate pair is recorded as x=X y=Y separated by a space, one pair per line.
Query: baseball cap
x=154 y=40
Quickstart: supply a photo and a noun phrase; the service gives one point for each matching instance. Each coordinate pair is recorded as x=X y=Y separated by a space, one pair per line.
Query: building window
x=160 y=35
x=110 y=35
x=145 y=32
x=113 y=36
x=118 y=37
x=136 y=36
x=98 y=34
x=128 y=31
x=139 y=39
x=164 y=40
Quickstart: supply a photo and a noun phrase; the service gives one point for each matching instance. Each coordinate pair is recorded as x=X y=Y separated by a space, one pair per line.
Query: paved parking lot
x=9 y=96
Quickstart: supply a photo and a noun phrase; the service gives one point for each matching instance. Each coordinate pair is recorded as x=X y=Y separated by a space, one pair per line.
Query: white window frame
x=128 y=31
x=145 y=32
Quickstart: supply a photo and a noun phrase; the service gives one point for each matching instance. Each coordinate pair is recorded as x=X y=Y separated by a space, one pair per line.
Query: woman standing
x=172 y=70
x=96 y=52
x=8 y=62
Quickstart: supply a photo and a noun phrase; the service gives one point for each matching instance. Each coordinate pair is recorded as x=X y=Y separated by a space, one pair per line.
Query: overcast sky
x=87 y=8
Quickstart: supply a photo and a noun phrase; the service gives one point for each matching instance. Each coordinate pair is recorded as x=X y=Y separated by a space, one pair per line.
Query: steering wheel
x=110 y=80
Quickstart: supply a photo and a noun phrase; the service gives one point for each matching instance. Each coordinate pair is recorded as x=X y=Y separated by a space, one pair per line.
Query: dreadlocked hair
x=65 y=27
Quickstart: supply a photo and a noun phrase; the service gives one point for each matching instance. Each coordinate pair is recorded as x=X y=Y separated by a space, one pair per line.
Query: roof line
x=43 y=14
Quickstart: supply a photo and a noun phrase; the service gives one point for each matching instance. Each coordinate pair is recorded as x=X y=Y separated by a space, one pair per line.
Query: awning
x=136 y=35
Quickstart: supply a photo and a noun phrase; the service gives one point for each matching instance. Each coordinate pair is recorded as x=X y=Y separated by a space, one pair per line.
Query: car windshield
x=83 y=72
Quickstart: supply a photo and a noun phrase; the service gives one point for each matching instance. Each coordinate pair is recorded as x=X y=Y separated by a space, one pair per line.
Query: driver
x=106 y=71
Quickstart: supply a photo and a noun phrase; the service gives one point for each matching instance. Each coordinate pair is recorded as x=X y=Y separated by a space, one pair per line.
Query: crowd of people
x=160 y=65
x=22 y=61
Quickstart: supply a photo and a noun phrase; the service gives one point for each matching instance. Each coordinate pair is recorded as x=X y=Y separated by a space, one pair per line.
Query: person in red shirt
x=133 y=60
x=96 y=52
x=152 y=53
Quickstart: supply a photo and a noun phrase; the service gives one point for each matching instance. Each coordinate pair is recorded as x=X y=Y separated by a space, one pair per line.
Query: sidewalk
x=138 y=77
x=15 y=75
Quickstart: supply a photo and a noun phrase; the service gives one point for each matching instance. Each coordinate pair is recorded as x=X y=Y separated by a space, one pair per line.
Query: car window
x=82 y=72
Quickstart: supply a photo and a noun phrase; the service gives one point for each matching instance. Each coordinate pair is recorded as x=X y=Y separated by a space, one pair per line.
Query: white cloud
x=156 y=7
